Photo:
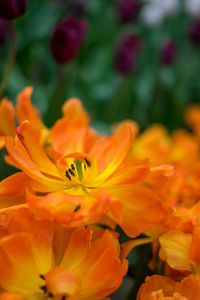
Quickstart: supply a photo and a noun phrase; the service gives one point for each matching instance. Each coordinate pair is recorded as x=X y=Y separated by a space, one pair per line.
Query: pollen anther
x=87 y=163
x=44 y=288
x=71 y=172
x=67 y=175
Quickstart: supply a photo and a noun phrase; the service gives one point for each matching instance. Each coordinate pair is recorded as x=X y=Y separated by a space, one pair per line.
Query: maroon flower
x=67 y=39
x=127 y=10
x=168 y=53
x=127 y=53
x=194 y=33
x=11 y=9
x=3 y=31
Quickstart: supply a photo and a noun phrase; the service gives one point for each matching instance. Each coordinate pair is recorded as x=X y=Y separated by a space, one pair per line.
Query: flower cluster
x=73 y=186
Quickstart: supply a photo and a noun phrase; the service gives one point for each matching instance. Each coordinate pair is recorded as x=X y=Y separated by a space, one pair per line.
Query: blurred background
x=136 y=59
x=125 y=59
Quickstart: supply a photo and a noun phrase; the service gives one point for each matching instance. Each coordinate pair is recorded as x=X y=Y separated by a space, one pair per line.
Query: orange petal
x=77 y=248
x=12 y=190
x=101 y=271
x=128 y=174
x=9 y=296
x=18 y=271
x=7 y=117
x=2 y=142
x=26 y=111
x=176 y=249
x=31 y=140
x=142 y=208
x=22 y=220
x=75 y=113
x=61 y=281
x=157 y=283
x=20 y=157
x=124 y=142
x=58 y=205
x=189 y=287
x=194 y=250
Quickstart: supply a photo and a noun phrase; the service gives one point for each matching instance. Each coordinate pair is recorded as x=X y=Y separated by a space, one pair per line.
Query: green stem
x=54 y=108
x=117 y=103
x=141 y=271
x=12 y=57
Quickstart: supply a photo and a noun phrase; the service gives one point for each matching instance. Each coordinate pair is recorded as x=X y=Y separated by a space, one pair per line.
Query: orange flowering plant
x=77 y=194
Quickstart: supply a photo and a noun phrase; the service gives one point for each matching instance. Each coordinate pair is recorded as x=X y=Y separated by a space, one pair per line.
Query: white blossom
x=152 y=14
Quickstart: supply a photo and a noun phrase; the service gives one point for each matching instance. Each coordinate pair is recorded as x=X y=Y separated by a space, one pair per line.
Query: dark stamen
x=42 y=276
x=87 y=163
x=73 y=167
x=67 y=175
x=63 y=297
x=71 y=172
x=50 y=295
x=44 y=288
x=77 y=208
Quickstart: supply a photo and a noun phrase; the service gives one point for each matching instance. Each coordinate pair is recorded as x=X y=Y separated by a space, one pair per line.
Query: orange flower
x=41 y=260
x=181 y=250
x=81 y=187
x=163 y=288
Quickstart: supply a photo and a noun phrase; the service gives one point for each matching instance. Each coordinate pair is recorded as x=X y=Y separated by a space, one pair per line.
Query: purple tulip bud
x=3 y=31
x=127 y=10
x=194 y=33
x=127 y=53
x=67 y=39
x=12 y=9
x=168 y=53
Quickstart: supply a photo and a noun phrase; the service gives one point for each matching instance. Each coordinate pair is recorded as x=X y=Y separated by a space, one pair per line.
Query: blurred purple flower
x=11 y=9
x=67 y=39
x=194 y=33
x=168 y=53
x=3 y=31
x=127 y=53
x=127 y=10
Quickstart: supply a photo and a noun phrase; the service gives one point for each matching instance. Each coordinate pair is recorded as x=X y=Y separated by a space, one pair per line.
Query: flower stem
x=53 y=111
x=12 y=57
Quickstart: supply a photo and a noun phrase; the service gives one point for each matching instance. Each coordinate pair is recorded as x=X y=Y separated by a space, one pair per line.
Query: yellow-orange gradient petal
x=77 y=248
x=20 y=157
x=17 y=265
x=121 y=146
x=175 y=250
x=101 y=271
x=30 y=138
